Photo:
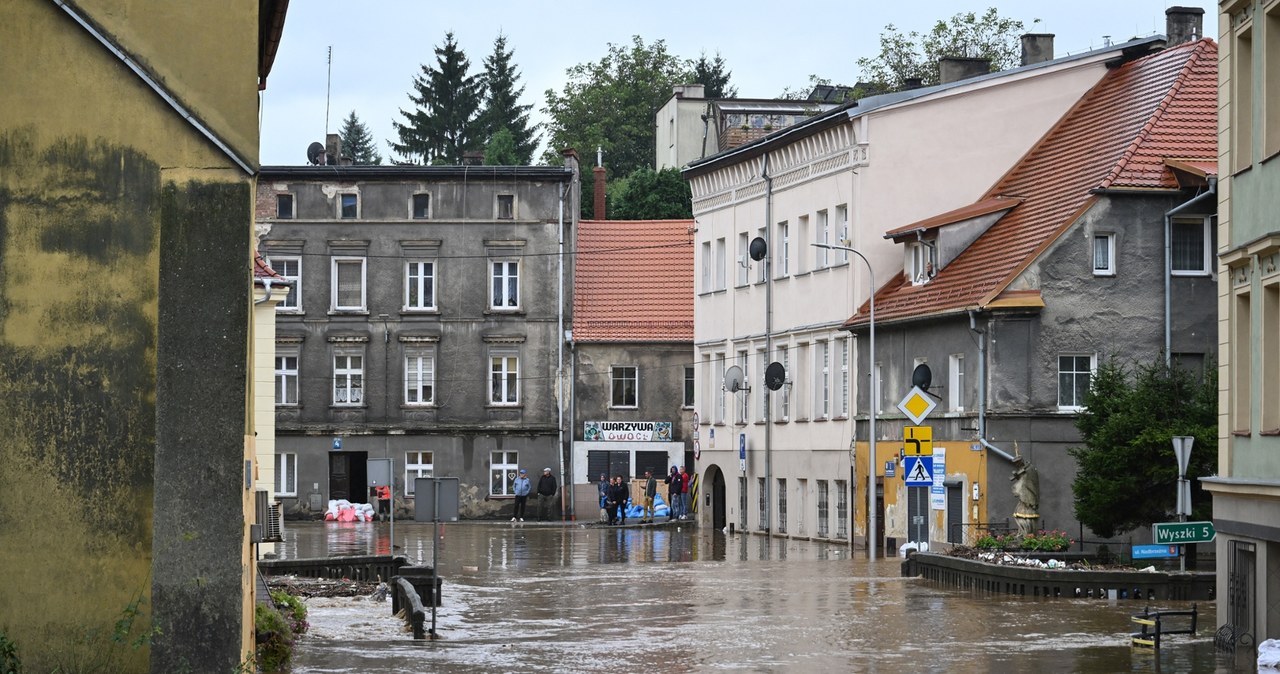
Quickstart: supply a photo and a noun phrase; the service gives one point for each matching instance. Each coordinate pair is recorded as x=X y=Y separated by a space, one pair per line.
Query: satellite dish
x=922 y=376
x=315 y=154
x=758 y=249
x=775 y=375
x=733 y=380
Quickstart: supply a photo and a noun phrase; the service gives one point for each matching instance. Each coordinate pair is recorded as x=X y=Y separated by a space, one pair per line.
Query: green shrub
x=293 y=609
x=9 y=661
x=274 y=637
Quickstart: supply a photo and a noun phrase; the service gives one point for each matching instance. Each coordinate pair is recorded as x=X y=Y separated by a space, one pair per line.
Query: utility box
x=430 y=492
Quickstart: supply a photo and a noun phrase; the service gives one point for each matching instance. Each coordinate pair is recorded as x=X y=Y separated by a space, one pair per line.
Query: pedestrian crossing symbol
x=918 y=471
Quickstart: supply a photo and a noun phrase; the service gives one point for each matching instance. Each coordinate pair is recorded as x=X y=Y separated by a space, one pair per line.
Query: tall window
x=762 y=362
x=624 y=386
x=289 y=267
x=419 y=379
x=421 y=206
x=419 y=285
x=802 y=238
x=506 y=206
x=504 y=379
x=761 y=268
x=286 y=474
x=844 y=376
x=762 y=491
x=719 y=384
x=348 y=284
x=785 y=406
x=348 y=379
x=842 y=508
x=784 y=251
x=707 y=262
x=502 y=472
x=744 y=402
x=721 y=263
x=287 y=379
x=822 y=234
x=782 y=505
x=1190 y=244
x=842 y=229
x=1073 y=380
x=824 y=507
x=1104 y=254
x=822 y=377
x=689 y=383
x=350 y=206
x=744 y=259
x=955 y=382
x=416 y=465
x=506 y=285
x=917 y=263
x=284 y=206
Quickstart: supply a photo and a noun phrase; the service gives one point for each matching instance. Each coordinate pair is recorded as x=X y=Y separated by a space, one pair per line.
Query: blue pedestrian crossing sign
x=918 y=471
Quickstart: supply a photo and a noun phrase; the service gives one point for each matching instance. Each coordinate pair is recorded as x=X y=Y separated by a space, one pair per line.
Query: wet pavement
x=573 y=598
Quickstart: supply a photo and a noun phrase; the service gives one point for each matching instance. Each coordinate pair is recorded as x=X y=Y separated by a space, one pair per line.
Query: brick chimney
x=597 y=174
x=1183 y=24
x=1037 y=48
x=333 y=149
x=956 y=68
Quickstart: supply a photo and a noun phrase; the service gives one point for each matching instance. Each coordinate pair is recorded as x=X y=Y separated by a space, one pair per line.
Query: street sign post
x=1154 y=551
x=1179 y=533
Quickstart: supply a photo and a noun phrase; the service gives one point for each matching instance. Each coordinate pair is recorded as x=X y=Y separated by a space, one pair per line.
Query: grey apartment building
x=424 y=324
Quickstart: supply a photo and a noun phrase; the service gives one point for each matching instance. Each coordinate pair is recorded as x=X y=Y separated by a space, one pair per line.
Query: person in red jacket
x=685 y=505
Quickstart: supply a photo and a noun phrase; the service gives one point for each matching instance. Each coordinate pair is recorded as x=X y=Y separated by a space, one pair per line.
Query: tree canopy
x=647 y=194
x=444 y=123
x=1126 y=476
x=502 y=109
x=501 y=150
x=713 y=75
x=357 y=143
x=611 y=103
x=915 y=55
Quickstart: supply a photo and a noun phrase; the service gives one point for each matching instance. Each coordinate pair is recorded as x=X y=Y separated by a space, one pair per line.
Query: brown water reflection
x=585 y=599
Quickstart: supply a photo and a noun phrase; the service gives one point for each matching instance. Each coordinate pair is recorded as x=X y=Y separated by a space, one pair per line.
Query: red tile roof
x=633 y=281
x=1117 y=136
x=984 y=207
x=262 y=270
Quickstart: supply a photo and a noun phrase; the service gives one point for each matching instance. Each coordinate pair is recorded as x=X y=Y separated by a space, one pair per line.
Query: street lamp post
x=872 y=403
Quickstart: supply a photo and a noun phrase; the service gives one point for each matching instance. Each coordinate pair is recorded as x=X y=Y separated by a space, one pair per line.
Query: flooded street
x=571 y=598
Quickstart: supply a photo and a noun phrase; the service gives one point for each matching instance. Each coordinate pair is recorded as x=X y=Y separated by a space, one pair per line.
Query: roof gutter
x=1168 y=261
x=150 y=81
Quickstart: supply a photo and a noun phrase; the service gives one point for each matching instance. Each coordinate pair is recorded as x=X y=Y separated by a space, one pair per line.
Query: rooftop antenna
x=599 y=156
x=327 y=85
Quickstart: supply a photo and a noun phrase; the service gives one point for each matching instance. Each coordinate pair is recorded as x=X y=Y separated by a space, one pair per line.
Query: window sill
x=1272 y=432
x=414 y=311
x=1190 y=274
x=822 y=419
x=782 y=421
x=344 y=406
x=503 y=406
x=1241 y=434
x=288 y=406
x=285 y=495
x=290 y=312
x=515 y=311
x=418 y=406
x=1104 y=274
x=625 y=408
x=348 y=312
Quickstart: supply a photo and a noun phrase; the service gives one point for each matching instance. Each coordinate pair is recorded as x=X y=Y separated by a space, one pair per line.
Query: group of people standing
x=614 y=495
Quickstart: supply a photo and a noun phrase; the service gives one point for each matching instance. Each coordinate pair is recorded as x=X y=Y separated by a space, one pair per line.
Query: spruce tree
x=444 y=123
x=357 y=142
x=502 y=108
x=713 y=75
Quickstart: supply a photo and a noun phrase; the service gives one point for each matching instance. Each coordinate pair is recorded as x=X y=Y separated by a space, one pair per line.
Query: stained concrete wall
x=124 y=261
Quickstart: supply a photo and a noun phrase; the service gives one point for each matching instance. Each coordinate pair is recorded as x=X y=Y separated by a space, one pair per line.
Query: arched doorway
x=719 y=515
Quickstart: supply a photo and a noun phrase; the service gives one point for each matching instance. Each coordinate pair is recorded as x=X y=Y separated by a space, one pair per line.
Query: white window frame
x=744 y=405
x=292 y=303
x=743 y=260
x=844 y=377
x=620 y=375
x=337 y=261
x=417 y=464
x=707 y=262
x=342 y=197
x=286 y=366
x=1108 y=242
x=762 y=267
x=822 y=380
x=504 y=378
x=784 y=250
x=842 y=217
x=503 y=467
x=423 y=280
x=722 y=255
x=955 y=382
x=286 y=482
x=784 y=410
x=822 y=234
x=348 y=378
x=721 y=411
x=500 y=275
x=1078 y=398
x=917 y=262
x=1205 y=256
x=420 y=373
x=413 y=210
x=762 y=362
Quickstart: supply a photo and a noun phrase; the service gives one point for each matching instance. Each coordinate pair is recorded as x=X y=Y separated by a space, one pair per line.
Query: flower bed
x=1041 y=541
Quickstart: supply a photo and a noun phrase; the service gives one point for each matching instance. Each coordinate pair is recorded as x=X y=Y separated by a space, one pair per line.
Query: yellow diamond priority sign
x=917 y=405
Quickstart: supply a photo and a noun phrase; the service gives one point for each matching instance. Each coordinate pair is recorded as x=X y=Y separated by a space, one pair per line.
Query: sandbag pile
x=343 y=510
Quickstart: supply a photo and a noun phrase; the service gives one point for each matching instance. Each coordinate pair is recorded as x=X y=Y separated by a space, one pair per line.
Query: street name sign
x=1154 y=551
x=1178 y=533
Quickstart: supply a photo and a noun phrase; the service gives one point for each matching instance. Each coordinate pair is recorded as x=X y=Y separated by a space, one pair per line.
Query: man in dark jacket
x=618 y=494
x=650 y=491
x=546 y=492
x=674 y=491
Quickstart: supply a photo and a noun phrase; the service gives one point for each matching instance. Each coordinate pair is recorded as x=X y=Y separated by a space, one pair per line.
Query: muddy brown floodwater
x=573 y=598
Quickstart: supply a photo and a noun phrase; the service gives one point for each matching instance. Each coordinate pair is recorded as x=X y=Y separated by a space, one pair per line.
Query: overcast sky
x=380 y=45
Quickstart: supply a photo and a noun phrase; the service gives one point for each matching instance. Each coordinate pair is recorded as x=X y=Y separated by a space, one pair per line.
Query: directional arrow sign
x=1177 y=533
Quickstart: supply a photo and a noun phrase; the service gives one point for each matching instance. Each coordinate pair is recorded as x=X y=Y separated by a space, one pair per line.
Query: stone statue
x=1026 y=488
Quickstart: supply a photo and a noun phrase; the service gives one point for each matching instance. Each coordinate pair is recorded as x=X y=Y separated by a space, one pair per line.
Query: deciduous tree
x=647 y=194
x=915 y=55
x=1126 y=475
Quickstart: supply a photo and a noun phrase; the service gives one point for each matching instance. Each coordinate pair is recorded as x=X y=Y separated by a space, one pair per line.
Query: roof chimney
x=1037 y=48
x=956 y=68
x=1183 y=24
x=689 y=91
x=333 y=150
x=597 y=174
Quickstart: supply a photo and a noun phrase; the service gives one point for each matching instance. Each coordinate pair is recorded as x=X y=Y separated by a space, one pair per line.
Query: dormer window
x=919 y=265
